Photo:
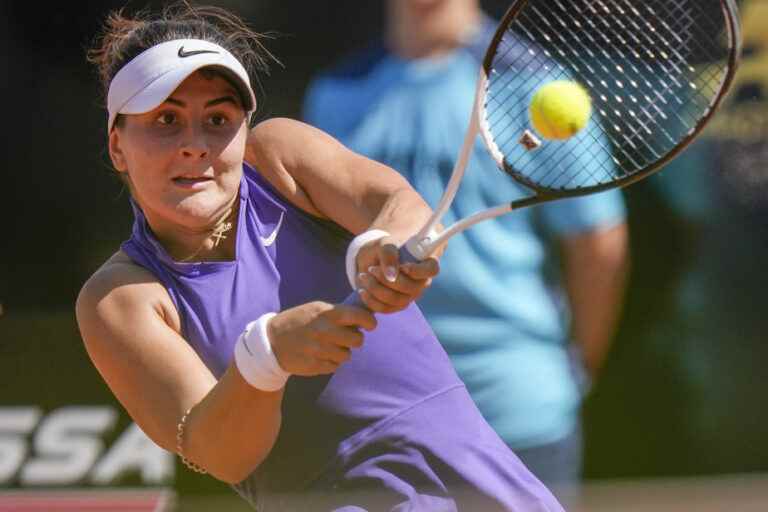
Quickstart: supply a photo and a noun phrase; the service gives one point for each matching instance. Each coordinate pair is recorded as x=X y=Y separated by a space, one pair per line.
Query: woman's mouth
x=191 y=182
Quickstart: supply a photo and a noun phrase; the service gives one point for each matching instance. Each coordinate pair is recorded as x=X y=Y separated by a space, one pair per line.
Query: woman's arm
x=323 y=177
x=131 y=331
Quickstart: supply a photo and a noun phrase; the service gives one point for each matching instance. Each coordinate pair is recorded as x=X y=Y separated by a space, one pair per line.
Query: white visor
x=149 y=79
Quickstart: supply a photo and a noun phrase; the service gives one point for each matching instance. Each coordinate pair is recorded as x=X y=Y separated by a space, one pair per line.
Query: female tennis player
x=216 y=324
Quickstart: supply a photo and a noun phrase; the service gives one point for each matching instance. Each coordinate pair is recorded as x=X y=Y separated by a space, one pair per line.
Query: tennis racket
x=656 y=72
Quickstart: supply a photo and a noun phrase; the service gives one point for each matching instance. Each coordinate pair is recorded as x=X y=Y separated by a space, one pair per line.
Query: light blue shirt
x=496 y=306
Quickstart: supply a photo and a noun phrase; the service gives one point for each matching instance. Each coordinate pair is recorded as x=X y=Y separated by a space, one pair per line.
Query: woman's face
x=184 y=158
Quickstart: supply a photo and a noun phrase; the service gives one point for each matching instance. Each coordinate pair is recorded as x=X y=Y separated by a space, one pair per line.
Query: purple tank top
x=286 y=257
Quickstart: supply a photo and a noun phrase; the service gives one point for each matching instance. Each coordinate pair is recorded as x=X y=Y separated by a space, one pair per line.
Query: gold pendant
x=219 y=233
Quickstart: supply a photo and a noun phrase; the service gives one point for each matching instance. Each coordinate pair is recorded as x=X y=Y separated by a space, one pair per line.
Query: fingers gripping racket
x=655 y=71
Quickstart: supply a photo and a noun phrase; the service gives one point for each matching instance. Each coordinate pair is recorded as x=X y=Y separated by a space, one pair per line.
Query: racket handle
x=353 y=299
x=406 y=256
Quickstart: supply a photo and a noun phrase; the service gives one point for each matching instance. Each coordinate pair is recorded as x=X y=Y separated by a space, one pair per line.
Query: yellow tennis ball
x=560 y=109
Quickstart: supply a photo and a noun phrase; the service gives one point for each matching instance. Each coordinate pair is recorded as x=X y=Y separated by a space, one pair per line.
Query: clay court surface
x=731 y=493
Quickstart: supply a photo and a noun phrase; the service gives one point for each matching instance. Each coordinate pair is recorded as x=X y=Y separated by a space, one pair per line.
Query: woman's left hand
x=385 y=284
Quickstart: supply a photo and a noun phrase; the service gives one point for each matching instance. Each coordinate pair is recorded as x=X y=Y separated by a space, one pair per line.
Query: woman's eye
x=167 y=118
x=218 y=120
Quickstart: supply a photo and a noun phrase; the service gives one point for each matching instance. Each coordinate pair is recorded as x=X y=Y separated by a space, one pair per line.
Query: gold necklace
x=218 y=233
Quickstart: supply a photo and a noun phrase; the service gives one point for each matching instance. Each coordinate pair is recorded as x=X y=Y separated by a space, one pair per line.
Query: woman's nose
x=195 y=144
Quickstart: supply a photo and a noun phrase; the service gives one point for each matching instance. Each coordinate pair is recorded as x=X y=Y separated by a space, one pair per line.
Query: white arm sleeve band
x=354 y=247
x=255 y=359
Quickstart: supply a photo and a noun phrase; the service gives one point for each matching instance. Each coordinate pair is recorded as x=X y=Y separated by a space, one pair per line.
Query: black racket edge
x=543 y=194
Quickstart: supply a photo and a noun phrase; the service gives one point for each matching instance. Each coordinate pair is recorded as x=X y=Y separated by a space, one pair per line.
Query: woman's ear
x=116 y=152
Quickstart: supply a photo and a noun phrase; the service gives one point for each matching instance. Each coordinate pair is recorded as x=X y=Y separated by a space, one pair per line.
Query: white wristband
x=255 y=359
x=354 y=247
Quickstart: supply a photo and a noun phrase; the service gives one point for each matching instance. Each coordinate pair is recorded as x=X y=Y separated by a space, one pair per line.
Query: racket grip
x=406 y=256
x=353 y=299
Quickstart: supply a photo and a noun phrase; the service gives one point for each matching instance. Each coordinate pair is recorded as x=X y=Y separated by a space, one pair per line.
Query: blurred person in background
x=528 y=303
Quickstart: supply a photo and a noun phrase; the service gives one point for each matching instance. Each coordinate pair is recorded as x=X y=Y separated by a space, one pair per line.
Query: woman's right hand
x=315 y=338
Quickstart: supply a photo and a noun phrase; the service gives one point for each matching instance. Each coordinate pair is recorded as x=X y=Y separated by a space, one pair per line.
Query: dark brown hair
x=124 y=36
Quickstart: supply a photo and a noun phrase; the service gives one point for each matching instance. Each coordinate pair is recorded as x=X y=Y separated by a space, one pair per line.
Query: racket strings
x=667 y=80
x=653 y=102
x=618 y=123
x=545 y=62
x=653 y=68
x=547 y=59
x=545 y=161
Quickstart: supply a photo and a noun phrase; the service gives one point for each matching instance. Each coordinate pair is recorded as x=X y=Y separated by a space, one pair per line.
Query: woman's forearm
x=401 y=213
x=232 y=430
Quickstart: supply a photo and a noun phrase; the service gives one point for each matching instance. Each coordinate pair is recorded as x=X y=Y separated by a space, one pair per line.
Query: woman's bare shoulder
x=119 y=270
x=121 y=284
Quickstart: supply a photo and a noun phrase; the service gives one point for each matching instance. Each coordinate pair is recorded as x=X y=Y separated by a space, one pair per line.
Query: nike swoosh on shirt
x=189 y=53
x=269 y=240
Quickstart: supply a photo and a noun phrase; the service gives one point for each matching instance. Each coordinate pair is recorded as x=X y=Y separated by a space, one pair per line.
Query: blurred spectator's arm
x=596 y=264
